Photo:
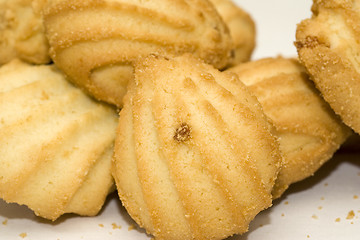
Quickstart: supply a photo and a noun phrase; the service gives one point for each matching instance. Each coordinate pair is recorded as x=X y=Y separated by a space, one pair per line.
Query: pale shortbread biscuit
x=194 y=154
x=242 y=29
x=308 y=130
x=328 y=46
x=22 y=33
x=96 y=42
x=56 y=143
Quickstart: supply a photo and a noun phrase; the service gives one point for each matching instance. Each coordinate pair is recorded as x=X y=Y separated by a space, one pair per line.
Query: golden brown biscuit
x=96 y=42
x=56 y=143
x=242 y=29
x=328 y=46
x=308 y=130
x=194 y=154
x=22 y=33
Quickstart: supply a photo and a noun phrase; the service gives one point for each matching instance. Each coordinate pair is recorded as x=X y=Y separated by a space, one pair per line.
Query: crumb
x=356 y=197
x=131 y=227
x=308 y=236
x=110 y=233
x=314 y=216
x=115 y=226
x=309 y=42
x=320 y=207
x=182 y=133
x=282 y=214
x=326 y=184
x=352 y=223
x=23 y=235
x=337 y=220
x=5 y=222
x=286 y=203
x=322 y=198
x=261 y=225
x=101 y=225
x=207 y=76
x=350 y=215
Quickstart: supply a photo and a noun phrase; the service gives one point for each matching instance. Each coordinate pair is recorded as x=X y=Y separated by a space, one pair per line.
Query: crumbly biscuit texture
x=194 y=154
x=56 y=143
x=308 y=130
x=22 y=33
x=242 y=29
x=96 y=42
x=328 y=46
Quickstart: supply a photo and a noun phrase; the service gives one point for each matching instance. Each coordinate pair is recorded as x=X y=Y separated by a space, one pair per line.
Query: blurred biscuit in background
x=22 y=33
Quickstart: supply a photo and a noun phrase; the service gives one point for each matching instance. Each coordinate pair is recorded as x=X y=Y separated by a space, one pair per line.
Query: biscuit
x=96 y=42
x=328 y=47
x=22 y=33
x=309 y=132
x=56 y=143
x=194 y=154
x=242 y=29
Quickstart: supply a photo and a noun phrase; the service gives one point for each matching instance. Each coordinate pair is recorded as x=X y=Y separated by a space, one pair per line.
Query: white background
x=308 y=210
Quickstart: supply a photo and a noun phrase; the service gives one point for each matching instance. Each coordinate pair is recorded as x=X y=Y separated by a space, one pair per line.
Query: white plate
x=316 y=208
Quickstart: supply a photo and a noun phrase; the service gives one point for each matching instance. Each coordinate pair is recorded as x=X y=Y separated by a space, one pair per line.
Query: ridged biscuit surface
x=194 y=155
x=22 y=33
x=242 y=29
x=309 y=132
x=328 y=45
x=56 y=143
x=97 y=42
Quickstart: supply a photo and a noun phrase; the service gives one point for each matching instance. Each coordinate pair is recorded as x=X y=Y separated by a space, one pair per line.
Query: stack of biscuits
x=160 y=101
